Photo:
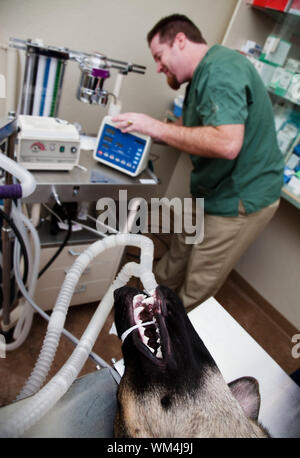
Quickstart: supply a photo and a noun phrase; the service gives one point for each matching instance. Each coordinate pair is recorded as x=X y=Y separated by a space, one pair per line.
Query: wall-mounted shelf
x=283 y=97
x=282 y=19
x=292 y=198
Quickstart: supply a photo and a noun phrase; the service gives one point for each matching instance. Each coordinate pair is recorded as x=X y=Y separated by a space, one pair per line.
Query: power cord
x=21 y=241
x=67 y=237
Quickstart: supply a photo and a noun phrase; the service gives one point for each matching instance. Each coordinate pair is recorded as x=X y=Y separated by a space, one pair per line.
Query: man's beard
x=172 y=82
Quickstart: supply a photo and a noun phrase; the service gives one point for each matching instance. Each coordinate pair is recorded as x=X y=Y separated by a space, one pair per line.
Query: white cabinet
x=92 y=284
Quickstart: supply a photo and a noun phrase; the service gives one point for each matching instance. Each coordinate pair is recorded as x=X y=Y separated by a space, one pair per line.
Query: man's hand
x=137 y=122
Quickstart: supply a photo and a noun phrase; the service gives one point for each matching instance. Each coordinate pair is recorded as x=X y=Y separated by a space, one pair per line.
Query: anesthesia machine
x=45 y=142
x=53 y=144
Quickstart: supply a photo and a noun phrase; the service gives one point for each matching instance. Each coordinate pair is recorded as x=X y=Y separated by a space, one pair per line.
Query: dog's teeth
x=138 y=310
x=138 y=299
x=159 y=353
x=136 y=313
x=149 y=300
x=145 y=339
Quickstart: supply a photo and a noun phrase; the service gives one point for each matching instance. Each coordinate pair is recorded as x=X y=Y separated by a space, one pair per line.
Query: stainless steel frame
x=89 y=182
x=8 y=130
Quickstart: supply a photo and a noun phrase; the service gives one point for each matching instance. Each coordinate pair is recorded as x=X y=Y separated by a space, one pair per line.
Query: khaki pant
x=198 y=271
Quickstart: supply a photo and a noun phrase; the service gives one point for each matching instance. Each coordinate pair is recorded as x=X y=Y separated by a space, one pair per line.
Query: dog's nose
x=116 y=293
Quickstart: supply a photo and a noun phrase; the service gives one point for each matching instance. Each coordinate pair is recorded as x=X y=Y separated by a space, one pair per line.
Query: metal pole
x=6 y=242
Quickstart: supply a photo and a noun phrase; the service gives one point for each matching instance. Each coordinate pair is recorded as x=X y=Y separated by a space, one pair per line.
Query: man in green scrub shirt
x=228 y=129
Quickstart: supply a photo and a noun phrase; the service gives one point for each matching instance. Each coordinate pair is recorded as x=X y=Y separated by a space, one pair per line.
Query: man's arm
x=178 y=122
x=208 y=141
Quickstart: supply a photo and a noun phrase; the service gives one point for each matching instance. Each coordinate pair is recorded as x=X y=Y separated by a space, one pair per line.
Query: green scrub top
x=227 y=89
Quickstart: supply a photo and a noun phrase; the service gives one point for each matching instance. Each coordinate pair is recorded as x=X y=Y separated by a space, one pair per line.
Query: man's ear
x=246 y=392
x=181 y=39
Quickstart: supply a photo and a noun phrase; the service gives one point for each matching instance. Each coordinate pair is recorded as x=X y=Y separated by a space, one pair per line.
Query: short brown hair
x=169 y=26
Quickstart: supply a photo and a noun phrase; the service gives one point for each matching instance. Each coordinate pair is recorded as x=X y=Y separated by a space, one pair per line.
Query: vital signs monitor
x=126 y=152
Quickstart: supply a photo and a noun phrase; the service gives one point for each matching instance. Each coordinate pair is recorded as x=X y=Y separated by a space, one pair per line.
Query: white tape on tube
x=136 y=326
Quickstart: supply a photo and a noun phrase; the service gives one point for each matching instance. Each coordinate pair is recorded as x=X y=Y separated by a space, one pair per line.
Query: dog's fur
x=182 y=394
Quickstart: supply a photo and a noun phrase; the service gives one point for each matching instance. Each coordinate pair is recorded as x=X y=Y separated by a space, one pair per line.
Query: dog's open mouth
x=145 y=312
x=140 y=318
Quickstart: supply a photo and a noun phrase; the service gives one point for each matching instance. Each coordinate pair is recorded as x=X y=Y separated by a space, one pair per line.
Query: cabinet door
x=92 y=284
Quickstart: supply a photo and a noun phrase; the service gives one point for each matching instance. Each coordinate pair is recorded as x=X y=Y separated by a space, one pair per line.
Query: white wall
x=272 y=264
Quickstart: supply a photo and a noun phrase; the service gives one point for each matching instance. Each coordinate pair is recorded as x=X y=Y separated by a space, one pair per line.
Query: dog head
x=172 y=386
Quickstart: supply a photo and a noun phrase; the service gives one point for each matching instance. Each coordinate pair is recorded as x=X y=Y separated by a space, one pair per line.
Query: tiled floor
x=16 y=367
